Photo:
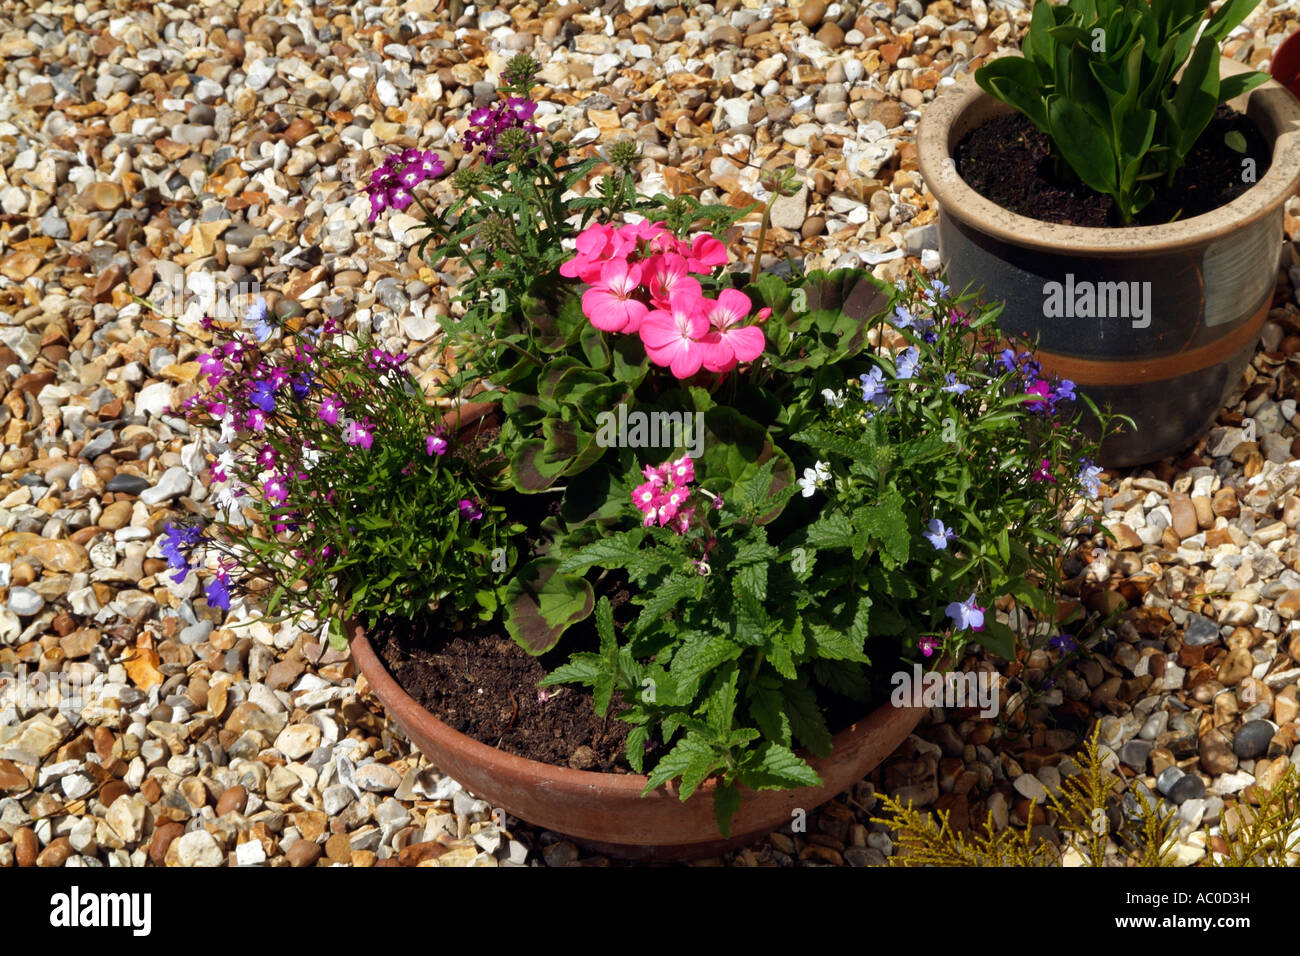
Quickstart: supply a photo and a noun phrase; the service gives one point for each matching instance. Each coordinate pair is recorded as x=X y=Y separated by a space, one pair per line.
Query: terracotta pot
x=606 y=811
x=1207 y=281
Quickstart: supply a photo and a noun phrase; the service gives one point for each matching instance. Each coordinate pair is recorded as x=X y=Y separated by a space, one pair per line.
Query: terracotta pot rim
x=565 y=778
x=967 y=206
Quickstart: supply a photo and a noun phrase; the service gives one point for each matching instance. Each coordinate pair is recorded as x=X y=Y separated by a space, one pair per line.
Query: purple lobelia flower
x=966 y=614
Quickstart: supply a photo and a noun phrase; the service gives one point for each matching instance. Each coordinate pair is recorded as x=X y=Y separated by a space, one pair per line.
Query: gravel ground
x=144 y=151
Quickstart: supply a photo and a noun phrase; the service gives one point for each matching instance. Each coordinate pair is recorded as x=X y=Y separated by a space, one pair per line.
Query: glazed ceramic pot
x=1176 y=309
x=606 y=811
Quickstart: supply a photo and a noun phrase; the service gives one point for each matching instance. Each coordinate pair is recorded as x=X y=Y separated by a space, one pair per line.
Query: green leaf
x=636 y=741
x=616 y=551
x=543 y=602
x=1084 y=144
x=699 y=655
x=1015 y=81
x=726 y=801
x=837 y=645
x=603 y=689
x=1233 y=86
x=1235 y=141
x=693 y=758
x=582 y=668
x=806 y=720
x=774 y=767
x=998 y=638
x=1197 y=95
x=665 y=597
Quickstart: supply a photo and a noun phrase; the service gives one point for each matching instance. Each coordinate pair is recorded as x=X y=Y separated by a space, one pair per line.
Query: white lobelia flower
x=833 y=399
x=814 y=478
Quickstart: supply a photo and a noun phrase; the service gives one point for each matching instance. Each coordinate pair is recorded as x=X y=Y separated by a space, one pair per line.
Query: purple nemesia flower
x=435 y=445
x=255 y=420
x=966 y=614
x=1044 y=472
x=939 y=535
x=928 y=644
x=330 y=409
x=469 y=510
x=954 y=386
x=266 y=457
x=906 y=361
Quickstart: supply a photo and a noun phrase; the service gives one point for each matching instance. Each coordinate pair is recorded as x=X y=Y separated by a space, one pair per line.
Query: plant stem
x=762 y=238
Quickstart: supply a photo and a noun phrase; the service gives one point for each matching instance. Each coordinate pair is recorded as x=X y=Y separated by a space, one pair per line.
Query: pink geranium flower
x=663 y=274
x=597 y=245
x=736 y=342
x=610 y=304
x=678 y=337
x=705 y=253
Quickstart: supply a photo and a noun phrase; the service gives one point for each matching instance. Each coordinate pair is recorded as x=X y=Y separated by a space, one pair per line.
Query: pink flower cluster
x=641 y=283
x=663 y=497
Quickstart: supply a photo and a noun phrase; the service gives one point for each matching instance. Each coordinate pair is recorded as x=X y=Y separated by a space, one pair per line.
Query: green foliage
x=1097 y=76
x=363 y=531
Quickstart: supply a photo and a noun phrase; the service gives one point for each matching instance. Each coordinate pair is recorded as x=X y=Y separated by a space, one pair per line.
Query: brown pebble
x=417 y=853
x=363 y=858
x=111 y=791
x=162 y=840
x=26 y=846
x=57 y=853
x=299 y=130
x=339 y=848
x=232 y=801
x=103 y=742
x=151 y=789
x=811 y=12
x=813 y=226
x=303 y=853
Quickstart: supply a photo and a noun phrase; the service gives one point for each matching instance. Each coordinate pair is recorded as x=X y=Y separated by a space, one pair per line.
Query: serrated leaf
x=581 y=669
x=692 y=759
x=698 y=655
x=774 y=767
x=806 y=720
x=726 y=801
x=664 y=598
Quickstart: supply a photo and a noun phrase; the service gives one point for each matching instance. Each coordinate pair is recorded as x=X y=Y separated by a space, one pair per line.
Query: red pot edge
x=583 y=786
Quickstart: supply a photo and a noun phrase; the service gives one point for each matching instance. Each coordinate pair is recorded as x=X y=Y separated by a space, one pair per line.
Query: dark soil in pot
x=484 y=685
x=480 y=683
x=1008 y=160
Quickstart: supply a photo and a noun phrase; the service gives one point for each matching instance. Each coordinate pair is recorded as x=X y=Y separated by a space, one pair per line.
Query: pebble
x=1251 y=739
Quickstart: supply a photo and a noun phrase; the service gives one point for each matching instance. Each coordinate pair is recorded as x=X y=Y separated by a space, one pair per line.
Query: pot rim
x=960 y=201
x=552 y=776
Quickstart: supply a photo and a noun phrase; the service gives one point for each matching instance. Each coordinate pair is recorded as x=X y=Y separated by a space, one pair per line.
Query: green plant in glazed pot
x=1120 y=188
